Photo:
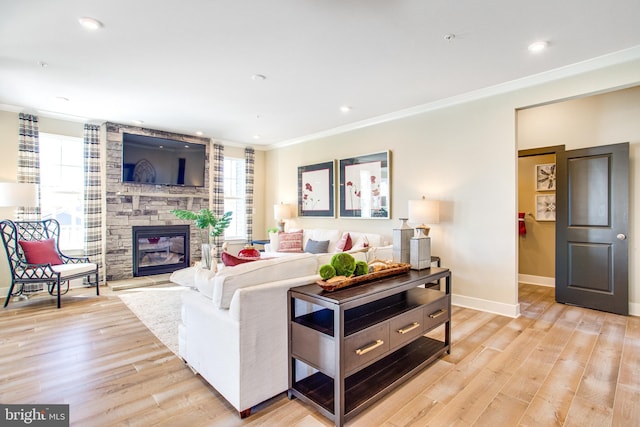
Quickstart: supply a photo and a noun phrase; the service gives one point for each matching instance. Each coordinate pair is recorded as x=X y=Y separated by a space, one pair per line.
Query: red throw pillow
x=229 y=260
x=345 y=243
x=290 y=242
x=40 y=251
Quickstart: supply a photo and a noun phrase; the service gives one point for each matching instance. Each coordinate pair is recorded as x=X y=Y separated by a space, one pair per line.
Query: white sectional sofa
x=233 y=329
x=359 y=240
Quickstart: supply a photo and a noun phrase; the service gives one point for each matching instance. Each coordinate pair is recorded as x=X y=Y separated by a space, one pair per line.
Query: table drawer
x=406 y=327
x=313 y=347
x=365 y=346
x=436 y=313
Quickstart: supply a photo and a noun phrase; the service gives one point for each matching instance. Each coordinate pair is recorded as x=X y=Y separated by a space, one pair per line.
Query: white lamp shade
x=282 y=211
x=424 y=211
x=18 y=194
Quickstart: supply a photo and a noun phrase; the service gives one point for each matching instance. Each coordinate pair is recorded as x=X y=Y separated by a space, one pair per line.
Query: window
x=62 y=185
x=234 y=198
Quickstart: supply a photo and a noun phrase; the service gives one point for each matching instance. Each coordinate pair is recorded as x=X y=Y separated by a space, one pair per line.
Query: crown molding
x=582 y=67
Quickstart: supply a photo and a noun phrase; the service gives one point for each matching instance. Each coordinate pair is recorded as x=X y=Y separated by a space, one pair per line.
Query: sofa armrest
x=263 y=299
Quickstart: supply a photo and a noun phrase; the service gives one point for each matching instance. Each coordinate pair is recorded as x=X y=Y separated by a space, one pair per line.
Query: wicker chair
x=23 y=273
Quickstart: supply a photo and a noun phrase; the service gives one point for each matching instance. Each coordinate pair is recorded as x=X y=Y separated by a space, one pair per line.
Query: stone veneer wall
x=130 y=204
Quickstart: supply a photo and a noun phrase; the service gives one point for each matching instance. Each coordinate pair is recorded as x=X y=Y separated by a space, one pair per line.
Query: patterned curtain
x=92 y=195
x=28 y=162
x=249 y=161
x=217 y=167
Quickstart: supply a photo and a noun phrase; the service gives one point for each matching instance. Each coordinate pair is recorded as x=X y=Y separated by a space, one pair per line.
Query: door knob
x=621 y=237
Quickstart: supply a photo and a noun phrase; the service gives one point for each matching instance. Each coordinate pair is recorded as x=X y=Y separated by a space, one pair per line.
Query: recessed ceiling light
x=91 y=24
x=43 y=64
x=449 y=37
x=256 y=136
x=259 y=77
x=137 y=122
x=345 y=108
x=538 y=46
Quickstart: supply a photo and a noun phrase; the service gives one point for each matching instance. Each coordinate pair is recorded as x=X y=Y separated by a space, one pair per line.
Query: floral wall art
x=316 y=190
x=364 y=186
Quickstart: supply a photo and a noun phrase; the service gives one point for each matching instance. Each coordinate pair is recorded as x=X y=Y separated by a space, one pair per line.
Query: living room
x=461 y=151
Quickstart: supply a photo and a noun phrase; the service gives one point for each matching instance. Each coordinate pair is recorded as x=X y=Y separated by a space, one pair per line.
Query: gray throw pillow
x=317 y=247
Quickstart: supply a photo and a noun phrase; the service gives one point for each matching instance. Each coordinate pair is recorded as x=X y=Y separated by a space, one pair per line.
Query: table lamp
x=16 y=194
x=422 y=212
x=281 y=212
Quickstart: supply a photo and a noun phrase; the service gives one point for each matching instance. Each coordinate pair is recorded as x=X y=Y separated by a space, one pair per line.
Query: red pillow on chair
x=40 y=251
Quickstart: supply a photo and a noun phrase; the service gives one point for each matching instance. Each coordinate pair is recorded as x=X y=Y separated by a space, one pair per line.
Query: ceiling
x=188 y=66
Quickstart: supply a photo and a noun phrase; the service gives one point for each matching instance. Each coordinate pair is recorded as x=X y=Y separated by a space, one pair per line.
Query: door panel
x=592 y=210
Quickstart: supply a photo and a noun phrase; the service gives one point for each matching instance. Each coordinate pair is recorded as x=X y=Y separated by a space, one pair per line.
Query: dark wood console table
x=363 y=341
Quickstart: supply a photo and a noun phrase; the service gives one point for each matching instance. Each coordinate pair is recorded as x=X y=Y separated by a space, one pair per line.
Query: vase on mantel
x=209 y=257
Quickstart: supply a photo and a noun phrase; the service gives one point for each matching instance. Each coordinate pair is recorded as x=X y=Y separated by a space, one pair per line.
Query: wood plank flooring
x=556 y=365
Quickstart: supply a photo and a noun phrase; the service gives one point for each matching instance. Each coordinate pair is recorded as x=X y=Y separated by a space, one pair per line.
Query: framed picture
x=364 y=186
x=316 y=190
x=546 y=177
x=545 y=207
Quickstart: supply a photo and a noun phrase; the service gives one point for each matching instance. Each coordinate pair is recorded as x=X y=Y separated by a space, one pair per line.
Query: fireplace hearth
x=160 y=249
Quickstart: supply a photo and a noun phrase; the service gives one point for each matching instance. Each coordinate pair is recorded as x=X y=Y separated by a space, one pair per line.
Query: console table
x=363 y=341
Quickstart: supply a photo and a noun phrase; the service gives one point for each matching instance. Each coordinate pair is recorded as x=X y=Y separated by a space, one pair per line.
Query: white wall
x=465 y=155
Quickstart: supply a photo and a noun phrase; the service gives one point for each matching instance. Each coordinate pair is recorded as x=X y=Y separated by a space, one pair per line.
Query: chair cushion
x=40 y=251
x=67 y=270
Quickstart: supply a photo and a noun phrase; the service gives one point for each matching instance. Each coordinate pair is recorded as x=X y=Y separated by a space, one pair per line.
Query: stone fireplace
x=133 y=205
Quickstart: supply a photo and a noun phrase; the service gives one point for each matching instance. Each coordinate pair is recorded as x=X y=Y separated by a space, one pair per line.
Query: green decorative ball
x=327 y=271
x=361 y=268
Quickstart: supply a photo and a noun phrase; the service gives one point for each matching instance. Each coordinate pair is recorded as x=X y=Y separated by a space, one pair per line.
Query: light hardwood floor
x=555 y=365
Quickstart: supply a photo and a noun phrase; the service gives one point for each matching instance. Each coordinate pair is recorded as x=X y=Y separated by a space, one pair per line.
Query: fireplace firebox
x=160 y=249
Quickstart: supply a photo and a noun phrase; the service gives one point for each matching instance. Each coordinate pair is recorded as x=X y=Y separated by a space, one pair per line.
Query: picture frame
x=316 y=192
x=545 y=207
x=546 y=177
x=365 y=183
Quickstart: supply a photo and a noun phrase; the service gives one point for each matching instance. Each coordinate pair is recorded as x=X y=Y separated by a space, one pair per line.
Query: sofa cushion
x=255 y=273
x=317 y=247
x=345 y=243
x=290 y=242
x=40 y=251
x=365 y=240
x=319 y=234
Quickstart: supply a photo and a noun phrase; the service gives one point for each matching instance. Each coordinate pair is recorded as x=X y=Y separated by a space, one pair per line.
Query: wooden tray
x=356 y=280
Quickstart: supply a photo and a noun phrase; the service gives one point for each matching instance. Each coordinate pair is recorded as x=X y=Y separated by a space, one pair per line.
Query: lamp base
x=420 y=248
x=280 y=226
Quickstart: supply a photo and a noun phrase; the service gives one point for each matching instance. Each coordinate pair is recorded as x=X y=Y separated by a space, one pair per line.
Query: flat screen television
x=160 y=161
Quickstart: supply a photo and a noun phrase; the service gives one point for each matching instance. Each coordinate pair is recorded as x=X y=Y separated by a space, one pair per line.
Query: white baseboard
x=634 y=309
x=537 y=280
x=510 y=310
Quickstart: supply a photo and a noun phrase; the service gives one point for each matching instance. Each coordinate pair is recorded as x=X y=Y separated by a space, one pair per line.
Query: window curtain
x=218 y=190
x=92 y=195
x=249 y=162
x=28 y=162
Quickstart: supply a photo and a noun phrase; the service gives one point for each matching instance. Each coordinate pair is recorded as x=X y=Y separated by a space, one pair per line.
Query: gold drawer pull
x=372 y=346
x=438 y=313
x=408 y=328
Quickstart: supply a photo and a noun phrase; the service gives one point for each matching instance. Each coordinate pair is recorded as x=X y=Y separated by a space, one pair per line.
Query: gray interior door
x=592 y=217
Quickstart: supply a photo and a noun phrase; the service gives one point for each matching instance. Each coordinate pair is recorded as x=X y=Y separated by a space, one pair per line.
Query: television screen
x=160 y=161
